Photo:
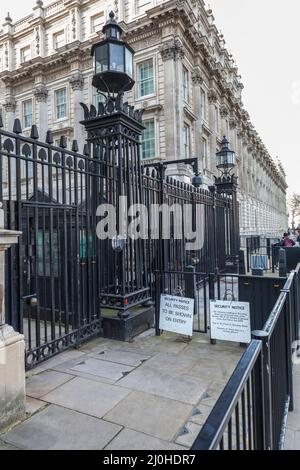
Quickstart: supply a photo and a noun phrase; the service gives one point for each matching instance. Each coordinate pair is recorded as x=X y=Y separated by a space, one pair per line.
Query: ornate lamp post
x=226 y=185
x=114 y=131
x=225 y=158
x=113 y=61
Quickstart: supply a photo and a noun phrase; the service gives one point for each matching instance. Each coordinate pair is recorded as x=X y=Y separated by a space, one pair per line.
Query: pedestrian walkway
x=292 y=439
x=154 y=393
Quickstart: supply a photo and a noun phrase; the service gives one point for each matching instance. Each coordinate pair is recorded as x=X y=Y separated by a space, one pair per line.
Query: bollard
x=282 y=263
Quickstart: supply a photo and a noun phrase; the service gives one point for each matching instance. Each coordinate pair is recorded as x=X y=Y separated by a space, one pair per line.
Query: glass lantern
x=113 y=61
x=225 y=158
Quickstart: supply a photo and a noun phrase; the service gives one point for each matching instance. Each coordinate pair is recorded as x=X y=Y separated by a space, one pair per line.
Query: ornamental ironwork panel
x=50 y=193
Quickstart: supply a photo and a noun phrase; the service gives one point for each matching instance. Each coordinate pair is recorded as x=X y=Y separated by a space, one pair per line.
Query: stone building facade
x=185 y=79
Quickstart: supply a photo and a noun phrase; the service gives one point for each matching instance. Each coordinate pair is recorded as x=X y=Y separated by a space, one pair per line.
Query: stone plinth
x=12 y=350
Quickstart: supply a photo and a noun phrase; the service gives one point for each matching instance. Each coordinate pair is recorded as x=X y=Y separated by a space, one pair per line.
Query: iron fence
x=252 y=410
x=49 y=193
x=61 y=275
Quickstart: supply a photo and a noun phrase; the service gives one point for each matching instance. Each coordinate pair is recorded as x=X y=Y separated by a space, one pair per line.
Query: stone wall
x=177 y=35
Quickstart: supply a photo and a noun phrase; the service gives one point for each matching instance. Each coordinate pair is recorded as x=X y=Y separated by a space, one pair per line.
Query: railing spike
x=34 y=134
x=49 y=138
x=17 y=129
x=75 y=147
x=86 y=150
x=63 y=142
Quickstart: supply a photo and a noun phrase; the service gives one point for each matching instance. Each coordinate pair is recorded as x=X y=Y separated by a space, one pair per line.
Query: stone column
x=12 y=350
x=77 y=82
x=41 y=96
x=172 y=53
x=10 y=110
x=197 y=82
x=212 y=99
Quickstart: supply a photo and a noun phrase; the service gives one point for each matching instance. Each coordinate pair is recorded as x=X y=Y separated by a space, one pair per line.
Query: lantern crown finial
x=113 y=60
x=111 y=28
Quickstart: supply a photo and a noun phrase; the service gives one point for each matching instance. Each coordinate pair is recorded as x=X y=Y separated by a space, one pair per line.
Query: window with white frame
x=58 y=39
x=203 y=104
x=97 y=22
x=60 y=98
x=148 y=139
x=145 y=78
x=25 y=54
x=142 y=5
x=185 y=84
x=27 y=113
x=186 y=141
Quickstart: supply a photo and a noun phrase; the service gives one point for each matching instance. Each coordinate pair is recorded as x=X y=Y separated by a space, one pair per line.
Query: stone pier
x=12 y=348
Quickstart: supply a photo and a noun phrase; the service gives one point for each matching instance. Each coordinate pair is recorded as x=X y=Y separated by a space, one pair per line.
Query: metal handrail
x=212 y=431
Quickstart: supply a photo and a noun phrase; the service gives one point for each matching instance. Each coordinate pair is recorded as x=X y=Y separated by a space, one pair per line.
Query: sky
x=264 y=38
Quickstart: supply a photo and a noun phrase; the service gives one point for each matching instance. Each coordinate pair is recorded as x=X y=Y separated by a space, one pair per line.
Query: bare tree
x=294 y=206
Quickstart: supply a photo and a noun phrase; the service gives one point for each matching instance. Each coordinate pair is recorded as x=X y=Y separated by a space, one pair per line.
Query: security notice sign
x=176 y=314
x=230 y=321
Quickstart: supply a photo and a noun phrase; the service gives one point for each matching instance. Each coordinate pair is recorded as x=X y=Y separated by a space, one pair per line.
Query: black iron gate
x=50 y=194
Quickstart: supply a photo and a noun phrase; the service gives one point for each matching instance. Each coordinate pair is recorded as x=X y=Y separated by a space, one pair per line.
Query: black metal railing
x=252 y=410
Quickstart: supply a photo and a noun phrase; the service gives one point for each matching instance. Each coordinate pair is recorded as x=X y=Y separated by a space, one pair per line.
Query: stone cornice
x=212 y=96
x=172 y=50
x=10 y=104
x=76 y=81
x=41 y=93
x=197 y=77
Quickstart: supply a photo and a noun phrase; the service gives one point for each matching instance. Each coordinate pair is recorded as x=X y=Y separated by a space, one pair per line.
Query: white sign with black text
x=176 y=314
x=230 y=321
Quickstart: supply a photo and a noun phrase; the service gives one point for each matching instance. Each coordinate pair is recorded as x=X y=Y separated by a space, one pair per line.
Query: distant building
x=185 y=79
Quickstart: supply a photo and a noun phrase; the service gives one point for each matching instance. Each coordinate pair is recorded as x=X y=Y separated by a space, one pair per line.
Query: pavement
x=292 y=437
x=153 y=393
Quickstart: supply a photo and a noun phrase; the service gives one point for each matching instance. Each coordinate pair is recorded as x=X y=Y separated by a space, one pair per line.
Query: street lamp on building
x=113 y=61
x=225 y=158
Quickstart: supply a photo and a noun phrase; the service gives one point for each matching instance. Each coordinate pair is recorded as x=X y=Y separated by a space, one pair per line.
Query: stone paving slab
x=200 y=413
x=292 y=437
x=159 y=400
x=106 y=369
x=57 y=428
x=167 y=362
x=56 y=360
x=39 y=385
x=87 y=396
x=4 y=446
x=188 y=434
x=129 y=439
x=150 y=414
x=33 y=405
x=178 y=387
x=128 y=358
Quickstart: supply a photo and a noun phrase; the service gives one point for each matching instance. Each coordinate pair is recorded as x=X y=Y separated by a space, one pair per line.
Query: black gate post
x=190 y=286
x=212 y=190
x=266 y=396
x=227 y=185
x=212 y=296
